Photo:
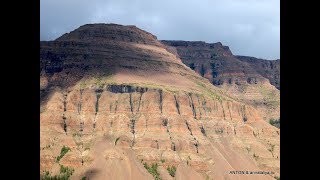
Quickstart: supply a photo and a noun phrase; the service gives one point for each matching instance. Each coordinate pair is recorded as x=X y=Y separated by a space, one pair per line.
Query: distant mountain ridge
x=252 y=80
x=217 y=63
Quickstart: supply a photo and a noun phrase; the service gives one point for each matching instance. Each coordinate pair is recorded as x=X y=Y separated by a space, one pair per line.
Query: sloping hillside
x=115 y=101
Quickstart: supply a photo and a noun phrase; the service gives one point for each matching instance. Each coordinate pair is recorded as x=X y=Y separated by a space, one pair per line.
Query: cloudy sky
x=248 y=27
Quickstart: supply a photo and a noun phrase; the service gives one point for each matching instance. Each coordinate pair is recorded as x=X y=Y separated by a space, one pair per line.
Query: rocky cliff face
x=246 y=78
x=119 y=98
x=269 y=69
x=217 y=63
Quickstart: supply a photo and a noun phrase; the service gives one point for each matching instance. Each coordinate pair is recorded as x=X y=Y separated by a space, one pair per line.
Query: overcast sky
x=248 y=27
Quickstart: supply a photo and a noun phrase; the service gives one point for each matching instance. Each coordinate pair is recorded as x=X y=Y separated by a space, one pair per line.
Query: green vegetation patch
x=271 y=149
x=172 y=170
x=153 y=169
x=275 y=122
x=207 y=92
x=43 y=109
x=63 y=151
x=65 y=174
x=99 y=82
x=83 y=85
x=272 y=98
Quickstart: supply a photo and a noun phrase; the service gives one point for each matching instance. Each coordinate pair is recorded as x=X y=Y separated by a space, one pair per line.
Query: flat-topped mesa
x=127 y=52
x=218 y=47
x=110 y=32
x=119 y=98
x=184 y=43
x=251 y=59
x=214 y=62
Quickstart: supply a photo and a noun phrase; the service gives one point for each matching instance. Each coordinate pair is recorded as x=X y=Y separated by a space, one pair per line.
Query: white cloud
x=248 y=27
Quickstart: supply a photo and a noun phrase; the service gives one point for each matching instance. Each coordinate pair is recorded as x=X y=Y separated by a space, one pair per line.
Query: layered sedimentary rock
x=119 y=98
x=269 y=69
x=254 y=81
x=216 y=62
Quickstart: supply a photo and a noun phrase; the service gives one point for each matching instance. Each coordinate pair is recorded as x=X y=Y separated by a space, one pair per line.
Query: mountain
x=251 y=80
x=269 y=69
x=116 y=103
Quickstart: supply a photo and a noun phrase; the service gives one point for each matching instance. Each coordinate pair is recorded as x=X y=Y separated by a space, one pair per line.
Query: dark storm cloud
x=248 y=27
